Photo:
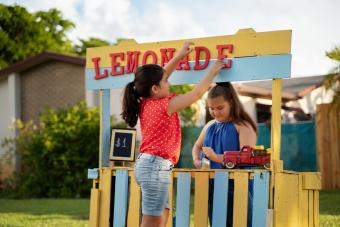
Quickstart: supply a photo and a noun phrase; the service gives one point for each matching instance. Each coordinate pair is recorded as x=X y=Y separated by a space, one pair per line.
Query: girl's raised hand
x=216 y=67
x=185 y=50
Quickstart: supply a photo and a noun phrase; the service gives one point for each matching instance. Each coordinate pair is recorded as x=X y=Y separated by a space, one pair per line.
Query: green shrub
x=56 y=155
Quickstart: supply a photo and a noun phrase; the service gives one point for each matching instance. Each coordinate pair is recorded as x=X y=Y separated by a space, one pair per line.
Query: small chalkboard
x=123 y=143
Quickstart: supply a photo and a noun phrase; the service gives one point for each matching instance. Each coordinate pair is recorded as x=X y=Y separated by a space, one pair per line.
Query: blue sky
x=315 y=23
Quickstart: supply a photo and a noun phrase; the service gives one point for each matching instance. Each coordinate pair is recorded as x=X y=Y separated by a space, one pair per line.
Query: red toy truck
x=248 y=156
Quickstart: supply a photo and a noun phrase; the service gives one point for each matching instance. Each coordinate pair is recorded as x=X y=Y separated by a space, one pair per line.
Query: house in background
x=46 y=80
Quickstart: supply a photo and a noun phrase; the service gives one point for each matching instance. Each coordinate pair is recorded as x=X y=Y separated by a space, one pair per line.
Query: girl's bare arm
x=182 y=101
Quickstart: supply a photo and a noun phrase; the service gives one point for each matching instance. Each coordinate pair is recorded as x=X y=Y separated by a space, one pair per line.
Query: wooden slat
x=121 y=195
x=310 y=208
x=134 y=204
x=276 y=119
x=240 y=199
x=275 y=137
x=171 y=191
x=319 y=142
x=323 y=144
x=94 y=208
x=316 y=208
x=334 y=147
x=311 y=181
x=338 y=144
x=201 y=199
x=220 y=201
x=286 y=204
x=105 y=197
x=183 y=200
x=104 y=143
x=261 y=199
x=303 y=203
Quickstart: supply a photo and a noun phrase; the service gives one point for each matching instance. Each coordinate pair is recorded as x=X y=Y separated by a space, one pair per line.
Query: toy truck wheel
x=230 y=164
x=266 y=165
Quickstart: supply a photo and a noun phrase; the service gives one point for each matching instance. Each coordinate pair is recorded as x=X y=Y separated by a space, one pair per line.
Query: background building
x=46 y=80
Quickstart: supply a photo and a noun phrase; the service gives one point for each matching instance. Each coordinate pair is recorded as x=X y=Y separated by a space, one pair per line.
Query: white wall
x=92 y=99
x=10 y=103
x=116 y=97
x=4 y=113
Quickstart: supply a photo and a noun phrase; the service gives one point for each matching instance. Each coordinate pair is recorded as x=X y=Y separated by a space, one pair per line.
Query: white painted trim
x=14 y=109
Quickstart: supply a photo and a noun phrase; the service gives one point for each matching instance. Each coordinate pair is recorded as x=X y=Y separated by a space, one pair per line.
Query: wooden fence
x=328 y=144
x=115 y=198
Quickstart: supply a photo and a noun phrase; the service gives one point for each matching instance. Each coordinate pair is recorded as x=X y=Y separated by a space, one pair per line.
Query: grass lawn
x=330 y=208
x=44 y=212
x=75 y=212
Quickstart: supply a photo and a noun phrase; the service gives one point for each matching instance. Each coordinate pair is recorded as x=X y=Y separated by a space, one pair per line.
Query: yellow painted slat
x=170 y=220
x=310 y=208
x=316 y=208
x=201 y=199
x=240 y=199
x=246 y=42
x=303 y=204
x=276 y=119
x=94 y=207
x=105 y=197
x=134 y=204
x=286 y=203
x=312 y=180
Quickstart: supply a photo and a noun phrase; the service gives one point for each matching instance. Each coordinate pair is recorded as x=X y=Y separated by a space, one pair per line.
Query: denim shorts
x=152 y=174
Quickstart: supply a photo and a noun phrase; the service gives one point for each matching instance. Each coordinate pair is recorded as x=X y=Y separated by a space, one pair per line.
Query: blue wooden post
x=183 y=200
x=104 y=147
x=121 y=195
x=220 y=203
x=261 y=198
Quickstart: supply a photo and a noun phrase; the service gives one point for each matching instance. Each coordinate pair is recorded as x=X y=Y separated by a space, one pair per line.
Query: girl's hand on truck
x=210 y=154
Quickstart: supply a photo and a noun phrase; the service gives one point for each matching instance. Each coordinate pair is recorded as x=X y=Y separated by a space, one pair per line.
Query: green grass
x=330 y=208
x=44 y=212
x=75 y=212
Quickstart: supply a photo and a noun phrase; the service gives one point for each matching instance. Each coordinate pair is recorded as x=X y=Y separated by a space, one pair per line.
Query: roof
x=39 y=59
x=292 y=88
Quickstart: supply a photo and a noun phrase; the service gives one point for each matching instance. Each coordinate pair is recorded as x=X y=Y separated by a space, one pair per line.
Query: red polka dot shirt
x=161 y=133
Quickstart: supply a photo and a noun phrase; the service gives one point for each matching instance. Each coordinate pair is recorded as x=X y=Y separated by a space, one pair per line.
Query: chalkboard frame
x=133 y=133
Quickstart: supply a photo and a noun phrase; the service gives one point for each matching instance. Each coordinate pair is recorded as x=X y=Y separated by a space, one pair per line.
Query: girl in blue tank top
x=220 y=137
x=231 y=129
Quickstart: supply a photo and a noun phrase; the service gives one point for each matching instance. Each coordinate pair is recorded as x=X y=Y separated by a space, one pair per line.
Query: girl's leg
x=155 y=221
x=151 y=221
x=165 y=217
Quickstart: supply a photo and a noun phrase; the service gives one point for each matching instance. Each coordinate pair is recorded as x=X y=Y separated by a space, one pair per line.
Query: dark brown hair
x=237 y=112
x=145 y=77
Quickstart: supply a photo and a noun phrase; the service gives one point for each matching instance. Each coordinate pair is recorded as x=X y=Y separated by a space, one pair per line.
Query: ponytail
x=145 y=77
x=130 y=105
